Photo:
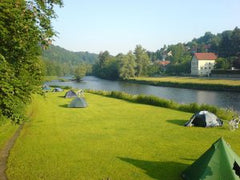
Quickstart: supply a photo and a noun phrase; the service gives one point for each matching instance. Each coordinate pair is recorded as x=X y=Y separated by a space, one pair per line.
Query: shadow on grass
x=177 y=122
x=157 y=169
x=64 y=105
x=62 y=97
x=189 y=159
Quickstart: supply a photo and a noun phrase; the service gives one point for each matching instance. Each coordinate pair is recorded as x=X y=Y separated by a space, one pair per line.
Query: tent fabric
x=218 y=162
x=204 y=119
x=46 y=87
x=57 y=90
x=78 y=102
x=70 y=94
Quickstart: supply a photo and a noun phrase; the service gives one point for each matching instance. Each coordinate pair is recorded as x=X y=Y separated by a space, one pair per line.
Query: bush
x=155 y=101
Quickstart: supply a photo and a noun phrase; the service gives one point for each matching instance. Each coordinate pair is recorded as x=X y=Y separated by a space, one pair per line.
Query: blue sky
x=118 y=26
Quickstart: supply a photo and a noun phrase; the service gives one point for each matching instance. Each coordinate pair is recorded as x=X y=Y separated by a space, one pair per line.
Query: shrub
x=155 y=101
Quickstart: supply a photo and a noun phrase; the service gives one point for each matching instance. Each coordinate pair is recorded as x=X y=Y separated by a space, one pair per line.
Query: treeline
x=55 y=68
x=226 y=45
x=61 y=62
x=123 y=66
x=145 y=63
x=62 y=55
x=25 y=29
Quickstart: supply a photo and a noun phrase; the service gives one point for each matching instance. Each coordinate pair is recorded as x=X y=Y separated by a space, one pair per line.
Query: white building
x=202 y=64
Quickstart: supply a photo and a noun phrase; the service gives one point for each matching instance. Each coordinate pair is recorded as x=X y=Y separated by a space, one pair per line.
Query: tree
x=222 y=63
x=127 y=66
x=154 y=69
x=178 y=52
x=180 y=68
x=225 y=46
x=236 y=41
x=24 y=26
x=107 y=67
x=103 y=58
x=236 y=63
x=142 y=60
x=80 y=72
x=214 y=44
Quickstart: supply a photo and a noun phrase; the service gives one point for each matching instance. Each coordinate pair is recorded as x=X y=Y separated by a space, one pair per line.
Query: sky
x=118 y=26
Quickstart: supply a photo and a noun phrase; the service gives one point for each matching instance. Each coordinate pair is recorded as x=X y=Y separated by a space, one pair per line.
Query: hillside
x=62 y=55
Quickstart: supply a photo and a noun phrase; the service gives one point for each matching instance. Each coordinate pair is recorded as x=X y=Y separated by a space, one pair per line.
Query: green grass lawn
x=111 y=138
x=6 y=132
x=50 y=78
x=194 y=80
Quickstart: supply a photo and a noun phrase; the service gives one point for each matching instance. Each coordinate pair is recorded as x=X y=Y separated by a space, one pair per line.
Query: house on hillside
x=163 y=64
x=202 y=64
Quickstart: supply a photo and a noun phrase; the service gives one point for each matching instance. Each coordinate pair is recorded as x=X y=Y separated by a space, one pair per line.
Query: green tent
x=219 y=162
x=78 y=102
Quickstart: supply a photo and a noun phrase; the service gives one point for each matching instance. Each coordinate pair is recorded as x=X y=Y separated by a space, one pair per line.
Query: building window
x=205 y=68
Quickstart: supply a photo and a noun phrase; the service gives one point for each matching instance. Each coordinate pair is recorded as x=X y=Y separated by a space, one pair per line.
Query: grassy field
x=194 y=80
x=50 y=78
x=111 y=139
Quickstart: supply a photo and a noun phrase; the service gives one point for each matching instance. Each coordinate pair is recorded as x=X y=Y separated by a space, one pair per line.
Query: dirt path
x=4 y=153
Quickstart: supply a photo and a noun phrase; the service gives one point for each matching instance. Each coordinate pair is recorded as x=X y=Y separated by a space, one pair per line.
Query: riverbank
x=190 y=83
x=54 y=78
x=110 y=139
x=223 y=114
x=222 y=99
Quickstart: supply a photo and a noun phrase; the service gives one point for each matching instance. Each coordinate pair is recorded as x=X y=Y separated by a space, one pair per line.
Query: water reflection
x=203 y=98
x=221 y=99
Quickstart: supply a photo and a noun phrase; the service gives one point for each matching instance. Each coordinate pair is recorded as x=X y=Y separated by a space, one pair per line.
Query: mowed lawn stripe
x=111 y=138
x=195 y=80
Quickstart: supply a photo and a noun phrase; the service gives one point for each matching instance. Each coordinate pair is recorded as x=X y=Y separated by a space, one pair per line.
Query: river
x=218 y=98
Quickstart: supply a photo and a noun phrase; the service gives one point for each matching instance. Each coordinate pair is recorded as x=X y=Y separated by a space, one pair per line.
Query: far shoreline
x=187 y=85
x=176 y=82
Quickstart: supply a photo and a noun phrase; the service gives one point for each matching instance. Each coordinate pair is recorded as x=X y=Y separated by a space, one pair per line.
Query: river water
x=218 y=98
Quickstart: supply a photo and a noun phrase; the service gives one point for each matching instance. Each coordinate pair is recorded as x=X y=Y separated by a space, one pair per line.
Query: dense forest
x=145 y=63
x=59 y=61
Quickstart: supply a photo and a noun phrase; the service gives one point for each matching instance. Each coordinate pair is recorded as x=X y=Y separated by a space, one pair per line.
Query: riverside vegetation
x=111 y=138
x=156 y=101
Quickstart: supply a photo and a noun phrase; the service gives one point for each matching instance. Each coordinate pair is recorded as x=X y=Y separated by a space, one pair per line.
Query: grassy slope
x=111 y=138
x=191 y=80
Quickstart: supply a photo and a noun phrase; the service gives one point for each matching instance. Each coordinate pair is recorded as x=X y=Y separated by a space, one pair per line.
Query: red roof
x=164 y=63
x=205 y=56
